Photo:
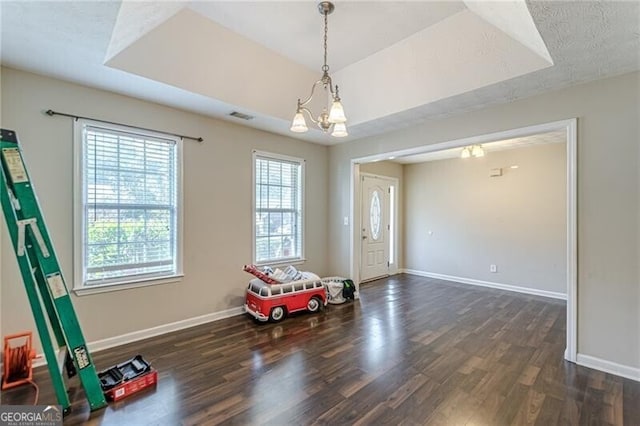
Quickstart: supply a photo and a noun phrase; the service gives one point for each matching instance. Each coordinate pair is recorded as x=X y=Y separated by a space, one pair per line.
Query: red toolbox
x=127 y=378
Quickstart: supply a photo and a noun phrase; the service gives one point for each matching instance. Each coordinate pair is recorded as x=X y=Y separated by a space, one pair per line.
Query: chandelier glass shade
x=477 y=151
x=472 y=151
x=330 y=119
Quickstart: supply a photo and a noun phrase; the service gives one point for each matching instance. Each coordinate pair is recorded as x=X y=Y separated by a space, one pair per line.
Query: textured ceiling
x=587 y=40
x=71 y=40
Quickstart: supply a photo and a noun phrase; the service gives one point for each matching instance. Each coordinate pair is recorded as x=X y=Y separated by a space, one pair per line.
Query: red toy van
x=274 y=302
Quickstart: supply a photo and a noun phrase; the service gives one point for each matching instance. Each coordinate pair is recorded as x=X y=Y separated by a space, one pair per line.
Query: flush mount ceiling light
x=334 y=119
x=472 y=151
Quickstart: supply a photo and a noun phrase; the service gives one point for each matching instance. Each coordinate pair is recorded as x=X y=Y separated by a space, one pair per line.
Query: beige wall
x=217 y=204
x=218 y=211
x=383 y=168
x=459 y=220
x=394 y=170
x=608 y=197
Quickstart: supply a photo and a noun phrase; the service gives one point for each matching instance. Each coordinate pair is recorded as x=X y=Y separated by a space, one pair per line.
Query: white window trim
x=294 y=261
x=78 y=205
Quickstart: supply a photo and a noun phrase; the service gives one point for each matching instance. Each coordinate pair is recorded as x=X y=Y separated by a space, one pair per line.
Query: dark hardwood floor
x=411 y=351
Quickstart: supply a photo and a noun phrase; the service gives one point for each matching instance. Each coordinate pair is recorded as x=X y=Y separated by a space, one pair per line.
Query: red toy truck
x=273 y=302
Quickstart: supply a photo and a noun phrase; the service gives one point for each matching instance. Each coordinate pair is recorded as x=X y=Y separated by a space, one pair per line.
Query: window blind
x=278 y=210
x=130 y=205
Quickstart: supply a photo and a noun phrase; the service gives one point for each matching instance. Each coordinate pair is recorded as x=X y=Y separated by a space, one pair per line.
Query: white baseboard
x=626 y=371
x=100 y=345
x=471 y=281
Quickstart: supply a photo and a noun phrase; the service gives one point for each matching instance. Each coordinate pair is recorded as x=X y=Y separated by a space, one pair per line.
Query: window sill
x=282 y=262
x=127 y=285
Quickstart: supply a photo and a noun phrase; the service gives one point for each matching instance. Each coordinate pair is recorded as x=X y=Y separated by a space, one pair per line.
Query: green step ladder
x=43 y=280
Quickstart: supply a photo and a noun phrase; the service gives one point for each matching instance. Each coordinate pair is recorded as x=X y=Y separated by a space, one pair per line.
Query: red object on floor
x=132 y=386
x=18 y=359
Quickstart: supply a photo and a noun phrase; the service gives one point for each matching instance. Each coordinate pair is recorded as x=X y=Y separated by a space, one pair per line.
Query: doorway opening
x=569 y=127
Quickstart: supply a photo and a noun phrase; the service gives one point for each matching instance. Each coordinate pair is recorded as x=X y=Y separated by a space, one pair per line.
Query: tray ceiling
x=397 y=63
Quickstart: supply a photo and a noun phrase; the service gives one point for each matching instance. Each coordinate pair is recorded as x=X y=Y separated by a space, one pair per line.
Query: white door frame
x=393 y=268
x=570 y=126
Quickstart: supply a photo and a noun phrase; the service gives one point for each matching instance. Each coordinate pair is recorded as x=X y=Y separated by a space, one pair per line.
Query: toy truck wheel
x=314 y=304
x=277 y=314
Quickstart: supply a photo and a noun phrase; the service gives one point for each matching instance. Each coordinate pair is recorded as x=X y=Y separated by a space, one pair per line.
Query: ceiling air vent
x=242 y=116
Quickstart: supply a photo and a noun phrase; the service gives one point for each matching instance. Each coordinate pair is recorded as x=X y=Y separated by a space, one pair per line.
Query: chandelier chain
x=325 y=67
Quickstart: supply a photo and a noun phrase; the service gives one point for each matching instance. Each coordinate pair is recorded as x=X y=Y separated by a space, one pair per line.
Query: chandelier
x=472 y=151
x=335 y=119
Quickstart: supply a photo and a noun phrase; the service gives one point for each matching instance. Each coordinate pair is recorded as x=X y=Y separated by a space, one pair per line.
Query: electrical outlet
x=346 y=221
x=493 y=268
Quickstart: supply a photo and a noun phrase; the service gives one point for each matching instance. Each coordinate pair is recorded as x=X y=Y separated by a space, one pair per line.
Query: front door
x=374 y=262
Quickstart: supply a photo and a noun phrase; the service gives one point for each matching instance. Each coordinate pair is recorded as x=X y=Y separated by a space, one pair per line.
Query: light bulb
x=466 y=153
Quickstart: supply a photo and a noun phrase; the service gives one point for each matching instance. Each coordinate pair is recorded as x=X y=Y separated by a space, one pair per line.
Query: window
x=128 y=206
x=278 y=213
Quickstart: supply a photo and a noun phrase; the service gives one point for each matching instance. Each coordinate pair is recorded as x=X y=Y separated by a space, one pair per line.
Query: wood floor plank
x=529 y=375
x=412 y=351
x=631 y=395
x=549 y=412
x=530 y=408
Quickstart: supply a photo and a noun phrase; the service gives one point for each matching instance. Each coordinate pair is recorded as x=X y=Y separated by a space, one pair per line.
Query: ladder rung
x=62 y=357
